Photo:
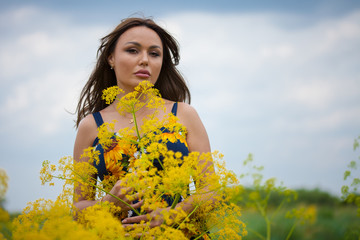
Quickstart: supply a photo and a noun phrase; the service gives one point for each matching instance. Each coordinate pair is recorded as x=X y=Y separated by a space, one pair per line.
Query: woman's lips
x=143 y=73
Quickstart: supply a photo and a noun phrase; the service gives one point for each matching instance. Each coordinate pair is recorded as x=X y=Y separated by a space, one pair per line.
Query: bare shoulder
x=197 y=137
x=86 y=134
x=188 y=115
x=186 y=109
x=87 y=124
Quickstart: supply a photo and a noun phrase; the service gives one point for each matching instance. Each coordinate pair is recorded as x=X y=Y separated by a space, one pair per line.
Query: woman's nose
x=144 y=60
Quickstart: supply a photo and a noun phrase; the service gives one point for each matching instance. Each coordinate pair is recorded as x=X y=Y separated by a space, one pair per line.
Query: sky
x=278 y=79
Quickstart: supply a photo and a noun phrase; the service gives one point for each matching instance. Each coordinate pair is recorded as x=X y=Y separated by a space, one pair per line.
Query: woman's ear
x=111 y=61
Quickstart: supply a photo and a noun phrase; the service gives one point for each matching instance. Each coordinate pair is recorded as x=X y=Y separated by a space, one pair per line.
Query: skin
x=138 y=48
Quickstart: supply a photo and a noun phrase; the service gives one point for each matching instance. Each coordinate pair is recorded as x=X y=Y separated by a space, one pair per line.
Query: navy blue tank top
x=176 y=146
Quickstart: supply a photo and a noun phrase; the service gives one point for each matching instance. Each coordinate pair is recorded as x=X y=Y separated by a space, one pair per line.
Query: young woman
x=136 y=50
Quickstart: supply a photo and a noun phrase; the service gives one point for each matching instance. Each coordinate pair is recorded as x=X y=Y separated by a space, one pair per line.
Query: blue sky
x=279 y=79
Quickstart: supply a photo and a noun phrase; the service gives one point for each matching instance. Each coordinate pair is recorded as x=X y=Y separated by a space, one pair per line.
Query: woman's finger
x=138 y=204
x=135 y=219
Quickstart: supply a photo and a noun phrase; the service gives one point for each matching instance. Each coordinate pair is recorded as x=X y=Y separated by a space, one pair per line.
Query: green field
x=334 y=219
x=331 y=223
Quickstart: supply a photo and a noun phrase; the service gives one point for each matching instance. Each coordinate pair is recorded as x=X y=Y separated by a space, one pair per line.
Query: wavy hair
x=170 y=82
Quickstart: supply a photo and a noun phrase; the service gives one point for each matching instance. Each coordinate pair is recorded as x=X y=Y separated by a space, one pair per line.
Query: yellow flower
x=90 y=153
x=143 y=95
x=46 y=219
x=173 y=137
x=113 y=158
x=45 y=172
x=303 y=214
x=106 y=134
x=99 y=219
x=110 y=94
x=119 y=154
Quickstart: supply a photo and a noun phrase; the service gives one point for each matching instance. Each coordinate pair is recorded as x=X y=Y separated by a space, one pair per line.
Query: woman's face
x=137 y=56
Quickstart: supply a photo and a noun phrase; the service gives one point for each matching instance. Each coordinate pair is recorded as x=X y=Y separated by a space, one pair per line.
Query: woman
x=136 y=50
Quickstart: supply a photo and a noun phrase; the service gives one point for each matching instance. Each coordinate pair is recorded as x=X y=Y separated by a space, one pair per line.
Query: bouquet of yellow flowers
x=138 y=159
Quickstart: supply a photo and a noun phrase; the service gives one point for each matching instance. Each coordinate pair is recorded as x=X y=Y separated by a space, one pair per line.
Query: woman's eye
x=131 y=50
x=154 y=54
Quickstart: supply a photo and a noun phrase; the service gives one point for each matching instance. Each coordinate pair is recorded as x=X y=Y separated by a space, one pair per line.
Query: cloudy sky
x=279 y=79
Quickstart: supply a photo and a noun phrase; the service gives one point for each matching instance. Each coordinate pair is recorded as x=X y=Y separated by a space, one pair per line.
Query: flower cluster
x=110 y=94
x=168 y=183
x=303 y=214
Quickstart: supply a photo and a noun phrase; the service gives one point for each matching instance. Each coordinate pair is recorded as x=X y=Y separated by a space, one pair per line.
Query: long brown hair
x=170 y=83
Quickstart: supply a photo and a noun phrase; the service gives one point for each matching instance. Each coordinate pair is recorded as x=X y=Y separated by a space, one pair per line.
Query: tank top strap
x=98 y=118
x=174 y=108
x=99 y=121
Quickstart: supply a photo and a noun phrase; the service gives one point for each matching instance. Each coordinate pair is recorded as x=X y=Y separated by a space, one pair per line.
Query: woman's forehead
x=140 y=35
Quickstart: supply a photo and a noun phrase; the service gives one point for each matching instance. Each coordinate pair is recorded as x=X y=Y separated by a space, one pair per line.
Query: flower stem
x=176 y=200
x=262 y=211
x=135 y=122
x=291 y=231
x=188 y=216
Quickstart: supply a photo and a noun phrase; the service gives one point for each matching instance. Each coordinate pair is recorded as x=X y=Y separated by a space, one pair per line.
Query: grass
x=335 y=223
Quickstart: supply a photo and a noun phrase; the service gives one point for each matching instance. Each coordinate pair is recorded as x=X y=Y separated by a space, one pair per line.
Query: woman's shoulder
x=86 y=134
x=87 y=126
x=87 y=122
x=197 y=137
x=186 y=109
x=187 y=114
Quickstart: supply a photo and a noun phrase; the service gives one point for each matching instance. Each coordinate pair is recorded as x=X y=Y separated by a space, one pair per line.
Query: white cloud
x=254 y=58
x=44 y=64
x=314 y=95
x=19 y=16
x=285 y=94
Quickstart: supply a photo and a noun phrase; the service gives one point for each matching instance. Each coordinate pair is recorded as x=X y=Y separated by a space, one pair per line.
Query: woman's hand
x=152 y=219
x=122 y=193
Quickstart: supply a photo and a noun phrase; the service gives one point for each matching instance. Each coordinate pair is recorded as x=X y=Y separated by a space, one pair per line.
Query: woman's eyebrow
x=139 y=45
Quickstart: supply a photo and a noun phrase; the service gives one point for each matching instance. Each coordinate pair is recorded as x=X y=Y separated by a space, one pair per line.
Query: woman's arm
x=86 y=134
x=198 y=141
x=84 y=139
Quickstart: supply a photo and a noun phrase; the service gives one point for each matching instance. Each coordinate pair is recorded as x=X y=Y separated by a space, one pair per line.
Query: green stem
x=176 y=200
x=256 y=233
x=199 y=236
x=278 y=209
x=133 y=111
x=135 y=122
x=268 y=228
x=291 y=231
x=160 y=162
x=267 y=221
x=188 y=216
